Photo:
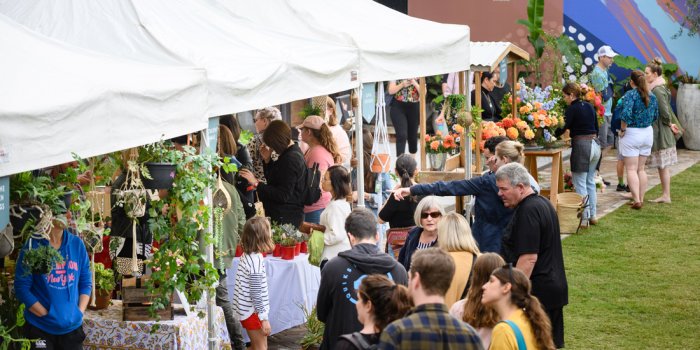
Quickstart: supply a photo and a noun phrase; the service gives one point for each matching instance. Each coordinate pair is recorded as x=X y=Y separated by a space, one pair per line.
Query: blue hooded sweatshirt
x=59 y=290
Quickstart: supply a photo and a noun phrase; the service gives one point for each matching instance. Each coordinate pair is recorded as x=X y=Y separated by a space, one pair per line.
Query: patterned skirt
x=662 y=158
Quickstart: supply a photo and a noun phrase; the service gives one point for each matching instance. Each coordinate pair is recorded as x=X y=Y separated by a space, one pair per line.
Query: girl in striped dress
x=250 y=295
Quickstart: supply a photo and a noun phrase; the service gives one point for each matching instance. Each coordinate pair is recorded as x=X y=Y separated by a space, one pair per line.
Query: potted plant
x=40 y=261
x=288 y=246
x=11 y=317
x=276 y=239
x=688 y=102
x=32 y=198
x=104 y=285
x=158 y=164
x=314 y=330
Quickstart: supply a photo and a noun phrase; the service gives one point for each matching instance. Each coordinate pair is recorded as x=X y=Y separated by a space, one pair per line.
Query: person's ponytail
x=541 y=325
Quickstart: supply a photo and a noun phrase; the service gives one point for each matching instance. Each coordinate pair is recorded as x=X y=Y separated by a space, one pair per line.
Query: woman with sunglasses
x=262 y=120
x=524 y=324
x=425 y=234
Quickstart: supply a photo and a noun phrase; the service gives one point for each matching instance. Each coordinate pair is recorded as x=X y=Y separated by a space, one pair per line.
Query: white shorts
x=637 y=142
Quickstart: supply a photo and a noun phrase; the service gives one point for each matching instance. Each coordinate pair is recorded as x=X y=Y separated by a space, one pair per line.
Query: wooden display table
x=557 y=178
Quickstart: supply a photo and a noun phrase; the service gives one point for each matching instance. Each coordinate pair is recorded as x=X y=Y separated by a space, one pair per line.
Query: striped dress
x=250 y=293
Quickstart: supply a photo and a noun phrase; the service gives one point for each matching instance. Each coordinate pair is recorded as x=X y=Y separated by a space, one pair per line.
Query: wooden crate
x=136 y=301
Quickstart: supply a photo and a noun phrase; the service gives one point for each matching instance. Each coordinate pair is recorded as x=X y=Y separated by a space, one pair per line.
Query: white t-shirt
x=335 y=238
x=343 y=143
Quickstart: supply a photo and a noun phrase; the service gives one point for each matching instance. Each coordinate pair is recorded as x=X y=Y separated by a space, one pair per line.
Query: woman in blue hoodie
x=55 y=302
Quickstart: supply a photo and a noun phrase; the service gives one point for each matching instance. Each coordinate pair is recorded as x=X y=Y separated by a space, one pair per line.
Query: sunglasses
x=509 y=266
x=434 y=215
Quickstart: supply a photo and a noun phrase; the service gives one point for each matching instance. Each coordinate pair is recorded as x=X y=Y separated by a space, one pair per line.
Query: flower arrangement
x=589 y=94
x=441 y=144
x=539 y=112
x=568 y=181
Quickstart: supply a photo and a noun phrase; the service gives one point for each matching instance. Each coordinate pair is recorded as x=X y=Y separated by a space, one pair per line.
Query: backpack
x=312 y=181
x=358 y=341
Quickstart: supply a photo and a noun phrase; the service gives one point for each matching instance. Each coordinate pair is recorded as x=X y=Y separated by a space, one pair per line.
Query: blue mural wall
x=640 y=28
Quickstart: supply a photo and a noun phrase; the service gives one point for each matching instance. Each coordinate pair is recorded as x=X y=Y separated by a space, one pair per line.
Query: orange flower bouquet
x=440 y=144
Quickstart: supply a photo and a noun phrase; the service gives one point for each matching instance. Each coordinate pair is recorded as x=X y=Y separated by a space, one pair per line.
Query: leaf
x=569 y=49
x=628 y=62
x=538 y=44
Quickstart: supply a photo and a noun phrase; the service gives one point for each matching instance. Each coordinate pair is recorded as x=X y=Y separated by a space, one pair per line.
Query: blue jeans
x=313 y=217
x=584 y=182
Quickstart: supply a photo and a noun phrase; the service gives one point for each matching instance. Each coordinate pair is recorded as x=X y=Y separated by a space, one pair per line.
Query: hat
x=312 y=122
x=606 y=50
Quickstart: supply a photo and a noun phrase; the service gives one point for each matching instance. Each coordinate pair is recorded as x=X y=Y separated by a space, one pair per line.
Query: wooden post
x=477 y=102
x=421 y=141
x=459 y=200
x=513 y=74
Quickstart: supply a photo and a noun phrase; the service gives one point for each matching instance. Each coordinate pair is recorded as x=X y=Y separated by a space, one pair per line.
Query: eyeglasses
x=434 y=215
x=509 y=266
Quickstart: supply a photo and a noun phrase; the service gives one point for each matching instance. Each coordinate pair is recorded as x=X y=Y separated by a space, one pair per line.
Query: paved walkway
x=608 y=201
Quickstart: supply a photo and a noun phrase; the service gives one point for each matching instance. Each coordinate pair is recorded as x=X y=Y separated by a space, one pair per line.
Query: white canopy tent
x=56 y=99
x=247 y=65
x=391 y=45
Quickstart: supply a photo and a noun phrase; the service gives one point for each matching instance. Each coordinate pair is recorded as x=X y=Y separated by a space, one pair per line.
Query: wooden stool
x=557 y=178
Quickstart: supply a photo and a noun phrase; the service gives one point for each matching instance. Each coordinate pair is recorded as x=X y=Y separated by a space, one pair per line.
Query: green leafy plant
x=177 y=221
x=41 y=260
x=27 y=189
x=535 y=15
x=691 y=21
x=314 y=329
x=308 y=110
x=11 y=318
x=246 y=137
x=104 y=278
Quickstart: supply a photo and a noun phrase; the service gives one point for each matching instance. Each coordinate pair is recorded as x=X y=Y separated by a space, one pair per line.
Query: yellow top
x=463 y=265
x=503 y=337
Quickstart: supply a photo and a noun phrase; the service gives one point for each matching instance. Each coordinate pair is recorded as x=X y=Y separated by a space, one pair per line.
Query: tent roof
x=485 y=56
x=391 y=45
x=247 y=65
x=58 y=99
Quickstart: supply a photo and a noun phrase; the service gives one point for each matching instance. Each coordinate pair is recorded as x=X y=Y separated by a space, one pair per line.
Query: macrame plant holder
x=133 y=198
x=381 y=160
x=92 y=235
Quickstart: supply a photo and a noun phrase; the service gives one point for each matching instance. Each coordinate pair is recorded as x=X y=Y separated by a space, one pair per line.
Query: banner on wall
x=369 y=100
x=213 y=133
x=4 y=202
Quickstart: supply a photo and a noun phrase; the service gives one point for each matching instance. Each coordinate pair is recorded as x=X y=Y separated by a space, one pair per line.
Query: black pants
x=68 y=341
x=405 y=116
x=556 y=316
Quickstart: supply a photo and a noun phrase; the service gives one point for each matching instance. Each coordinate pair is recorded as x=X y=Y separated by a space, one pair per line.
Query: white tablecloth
x=104 y=329
x=292 y=284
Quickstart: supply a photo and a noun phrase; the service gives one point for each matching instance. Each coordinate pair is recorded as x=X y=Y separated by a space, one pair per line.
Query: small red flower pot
x=264 y=254
x=304 y=247
x=288 y=253
x=239 y=251
x=297 y=249
x=277 y=252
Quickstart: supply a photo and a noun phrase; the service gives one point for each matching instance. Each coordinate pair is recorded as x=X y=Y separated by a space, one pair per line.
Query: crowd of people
x=497 y=283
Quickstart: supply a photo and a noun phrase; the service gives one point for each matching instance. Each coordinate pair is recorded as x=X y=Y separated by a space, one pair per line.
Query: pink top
x=343 y=143
x=318 y=154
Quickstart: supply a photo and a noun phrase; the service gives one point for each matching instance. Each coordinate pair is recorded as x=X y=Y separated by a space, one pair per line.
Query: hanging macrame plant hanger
x=381 y=159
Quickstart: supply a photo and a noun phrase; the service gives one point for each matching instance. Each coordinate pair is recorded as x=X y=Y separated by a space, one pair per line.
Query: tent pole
x=421 y=94
x=468 y=142
x=209 y=253
x=513 y=95
x=459 y=200
x=477 y=97
x=359 y=151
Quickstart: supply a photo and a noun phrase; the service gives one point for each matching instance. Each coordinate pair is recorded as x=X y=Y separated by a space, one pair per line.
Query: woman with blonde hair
x=470 y=310
x=512 y=152
x=322 y=150
x=339 y=134
x=262 y=119
x=455 y=237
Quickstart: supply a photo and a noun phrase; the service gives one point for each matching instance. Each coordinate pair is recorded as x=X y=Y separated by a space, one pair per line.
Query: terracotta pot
x=304 y=247
x=239 y=251
x=288 y=253
x=380 y=163
x=297 y=249
x=102 y=300
x=278 y=250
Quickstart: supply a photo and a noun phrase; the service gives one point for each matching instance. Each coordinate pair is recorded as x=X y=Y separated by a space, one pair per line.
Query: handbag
x=259 y=208
x=315 y=246
x=124 y=266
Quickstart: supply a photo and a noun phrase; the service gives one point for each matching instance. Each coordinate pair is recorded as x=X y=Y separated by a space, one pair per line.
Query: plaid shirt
x=426 y=327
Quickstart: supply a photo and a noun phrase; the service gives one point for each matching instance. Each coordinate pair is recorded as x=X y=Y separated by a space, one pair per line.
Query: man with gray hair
x=531 y=243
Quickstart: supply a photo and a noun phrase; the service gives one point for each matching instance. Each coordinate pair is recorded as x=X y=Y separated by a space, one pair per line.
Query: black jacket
x=492 y=111
x=410 y=247
x=283 y=192
x=340 y=278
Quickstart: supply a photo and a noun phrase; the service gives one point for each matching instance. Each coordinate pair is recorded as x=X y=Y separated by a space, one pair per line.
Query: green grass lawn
x=634 y=279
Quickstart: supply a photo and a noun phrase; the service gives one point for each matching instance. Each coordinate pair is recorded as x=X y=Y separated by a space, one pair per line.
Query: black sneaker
x=622 y=188
x=606 y=183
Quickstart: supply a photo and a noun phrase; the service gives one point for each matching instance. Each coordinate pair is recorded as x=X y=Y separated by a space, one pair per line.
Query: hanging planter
x=381 y=160
x=162 y=176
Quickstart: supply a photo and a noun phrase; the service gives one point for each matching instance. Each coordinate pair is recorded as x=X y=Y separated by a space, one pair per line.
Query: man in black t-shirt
x=531 y=243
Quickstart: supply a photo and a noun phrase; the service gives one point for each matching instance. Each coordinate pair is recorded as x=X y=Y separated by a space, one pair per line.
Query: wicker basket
x=569 y=206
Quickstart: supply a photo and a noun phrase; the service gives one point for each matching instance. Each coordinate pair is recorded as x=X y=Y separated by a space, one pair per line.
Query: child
x=336 y=181
x=250 y=295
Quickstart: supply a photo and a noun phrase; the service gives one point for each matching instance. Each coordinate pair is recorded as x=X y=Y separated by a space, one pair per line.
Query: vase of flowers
x=438 y=147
